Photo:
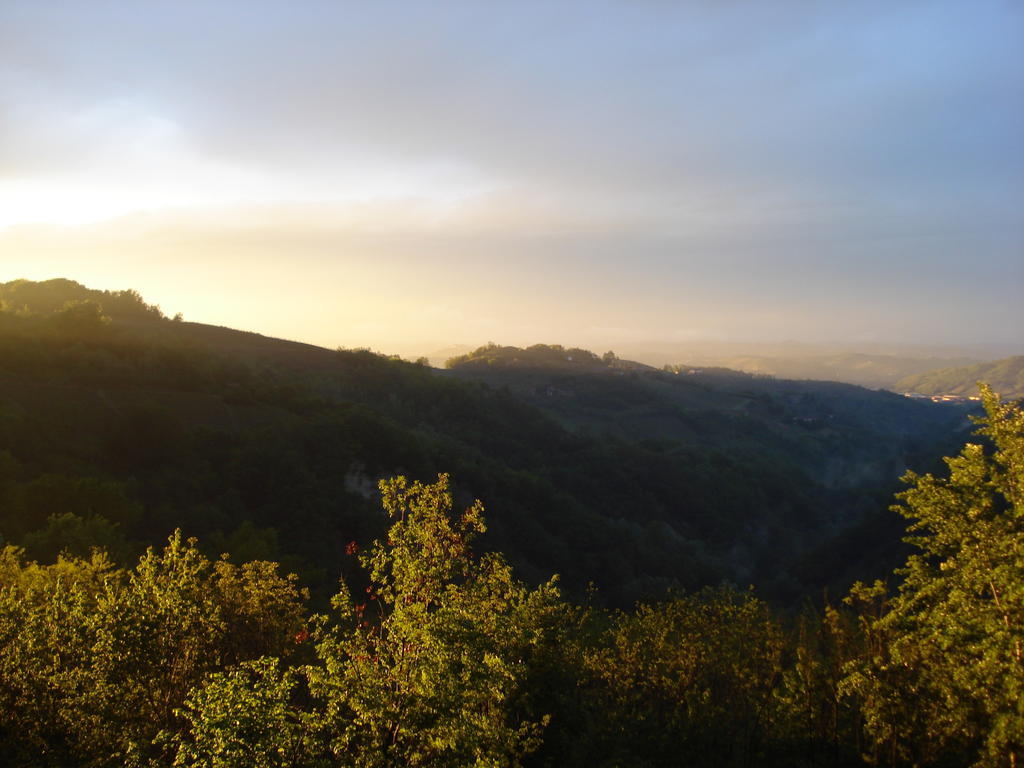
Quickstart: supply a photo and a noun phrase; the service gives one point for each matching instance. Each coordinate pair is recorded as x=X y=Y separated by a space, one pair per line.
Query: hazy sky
x=410 y=175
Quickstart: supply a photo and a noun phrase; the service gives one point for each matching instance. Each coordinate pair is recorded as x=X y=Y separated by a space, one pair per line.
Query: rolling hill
x=875 y=371
x=118 y=424
x=1005 y=376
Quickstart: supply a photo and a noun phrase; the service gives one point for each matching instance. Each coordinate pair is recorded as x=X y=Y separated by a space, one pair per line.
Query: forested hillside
x=118 y=425
x=444 y=658
x=396 y=643
x=1005 y=376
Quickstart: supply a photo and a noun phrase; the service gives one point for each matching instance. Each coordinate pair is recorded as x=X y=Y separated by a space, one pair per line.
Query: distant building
x=953 y=399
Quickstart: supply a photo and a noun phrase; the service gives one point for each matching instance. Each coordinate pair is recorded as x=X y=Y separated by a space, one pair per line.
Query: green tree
x=74 y=535
x=821 y=725
x=46 y=649
x=245 y=718
x=95 y=662
x=948 y=685
x=431 y=671
x=81 y=316
x=687 y=682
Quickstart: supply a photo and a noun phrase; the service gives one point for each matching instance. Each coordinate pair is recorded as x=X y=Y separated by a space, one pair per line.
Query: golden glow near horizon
x=404 y=177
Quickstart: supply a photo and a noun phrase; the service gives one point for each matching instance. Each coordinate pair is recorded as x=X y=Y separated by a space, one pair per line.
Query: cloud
x=610 y=101
x=789 y=167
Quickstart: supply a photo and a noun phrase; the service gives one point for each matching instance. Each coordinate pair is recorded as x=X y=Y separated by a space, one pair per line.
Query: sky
x=408 y=176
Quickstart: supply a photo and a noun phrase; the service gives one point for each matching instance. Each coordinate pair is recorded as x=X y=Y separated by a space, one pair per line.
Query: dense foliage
x=954 y=632
x=118 y=425
x=445 y=659
x=538 y=355
x=96 y=660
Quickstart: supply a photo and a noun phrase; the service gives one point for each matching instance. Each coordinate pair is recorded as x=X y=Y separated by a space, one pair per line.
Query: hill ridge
x=1004 y=376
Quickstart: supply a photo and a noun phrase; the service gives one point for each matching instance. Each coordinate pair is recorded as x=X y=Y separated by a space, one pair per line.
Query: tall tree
x=950 y=686
x=433 y=667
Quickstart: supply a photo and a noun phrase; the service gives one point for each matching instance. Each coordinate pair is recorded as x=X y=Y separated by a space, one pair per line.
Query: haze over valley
x=511 y=384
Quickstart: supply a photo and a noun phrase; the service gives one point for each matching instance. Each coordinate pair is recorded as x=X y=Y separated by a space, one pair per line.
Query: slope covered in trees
x=1005 y=376
x=445 y=658
x=119 y=425
x=846 y=443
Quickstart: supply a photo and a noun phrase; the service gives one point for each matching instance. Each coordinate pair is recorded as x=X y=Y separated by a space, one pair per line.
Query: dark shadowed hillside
x=118 y=424
x=837 y=443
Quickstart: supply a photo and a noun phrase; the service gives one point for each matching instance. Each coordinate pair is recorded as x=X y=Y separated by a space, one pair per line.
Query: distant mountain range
x=1005 y=376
